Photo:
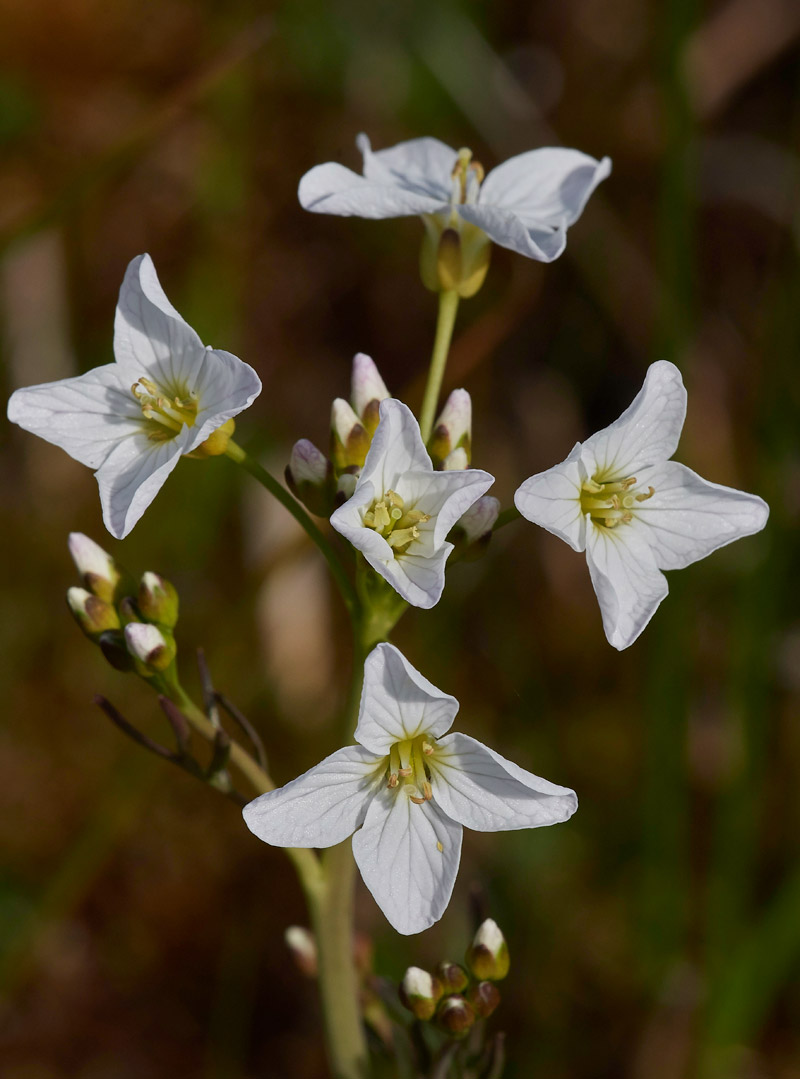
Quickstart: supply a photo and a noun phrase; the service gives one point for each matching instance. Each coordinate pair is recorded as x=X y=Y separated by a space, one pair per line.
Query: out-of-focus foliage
x=657 y=934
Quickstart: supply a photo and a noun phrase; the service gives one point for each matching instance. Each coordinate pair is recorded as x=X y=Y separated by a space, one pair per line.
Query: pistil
x=407 y=765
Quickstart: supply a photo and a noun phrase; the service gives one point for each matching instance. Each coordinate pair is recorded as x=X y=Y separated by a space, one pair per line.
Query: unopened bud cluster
x=454 y=997
x=132 y=624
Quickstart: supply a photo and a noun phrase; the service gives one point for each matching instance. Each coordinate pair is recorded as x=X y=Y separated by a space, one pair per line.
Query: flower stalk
x=446 y=320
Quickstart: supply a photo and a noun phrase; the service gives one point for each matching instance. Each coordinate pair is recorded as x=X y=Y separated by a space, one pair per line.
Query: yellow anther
x=394 y=499
x=402 y=536
x=614 y=504
x=382 y=518
x=643 y=498
x=427 y=749
x=393 y=780
x=406 y=772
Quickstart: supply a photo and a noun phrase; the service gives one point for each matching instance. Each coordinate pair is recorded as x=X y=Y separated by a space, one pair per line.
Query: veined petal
x=443 y=495
x=647 y=431
x=422 y=165
x=225 y=386
x=543 y=242
x=546 y=186
x=398 y=703
x=552 y=499
x=687 y=518
x=86 y=416
x=396 y=448
x=408 y=855
x=133 y=474
x=320 y=808
x=334 y=189
x=419 y=578
x=482 y=790
x=628 y=583
x=150 y=337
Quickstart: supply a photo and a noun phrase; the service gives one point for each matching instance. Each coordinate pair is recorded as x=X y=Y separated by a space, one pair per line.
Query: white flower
x=133 y=419
x=401 y=510
x=525 y=204
x=406 y=790
x=634 y=512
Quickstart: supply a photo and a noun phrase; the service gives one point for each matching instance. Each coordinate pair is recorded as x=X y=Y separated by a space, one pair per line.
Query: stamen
x=643 y=498
x=614 y=504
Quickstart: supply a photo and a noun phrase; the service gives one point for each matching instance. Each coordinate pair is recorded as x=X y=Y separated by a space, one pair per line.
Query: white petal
x=408 y=855
x=133 y=474
x=482 y=790
x=419 y=578
x=396 y=448
x=446 y=496
x=225 y=386
x=86 y=416
x=420 y=165
x=687 y=518
x=627 y=581
x=541 y=242
x=366 y=383
x=546 y=186
x=334 y=189
x=321 y=807
x=647 y=431
x=552 y=499
x=150 y=337
x=398 y=703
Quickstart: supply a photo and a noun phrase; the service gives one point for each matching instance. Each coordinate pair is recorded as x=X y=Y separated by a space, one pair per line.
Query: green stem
x=448 y=306
x=331 y=909
x=305 y=861
x=236 y=453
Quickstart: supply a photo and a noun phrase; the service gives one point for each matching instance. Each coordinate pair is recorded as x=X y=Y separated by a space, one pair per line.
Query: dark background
x=657 y=935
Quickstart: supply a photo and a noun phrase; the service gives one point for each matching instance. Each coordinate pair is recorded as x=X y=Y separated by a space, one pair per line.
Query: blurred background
x=657 y=935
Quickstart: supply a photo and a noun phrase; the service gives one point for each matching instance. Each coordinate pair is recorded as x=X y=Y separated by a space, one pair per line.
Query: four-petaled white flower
x=634 y=512
x=401 y=510
x=525 y=204
x=406 y=791
x=133 y=419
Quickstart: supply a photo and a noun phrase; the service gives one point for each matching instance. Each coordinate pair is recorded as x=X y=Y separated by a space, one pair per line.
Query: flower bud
x=309 y=476
x=456 y=460
x=349 y=439
x=453 y=428
x=420 y=992
x=453 y=977
x=472 y=532
x=484 y=998
x=99 y=572
x=487 y=956
x=158 y=600
x=456 y=1016
x=112 y=645
x=367 y=390
x=345 y=487
x=92 y=614
x=217 y=442
x=128 y=611
x=151 y=647
x=301 y=943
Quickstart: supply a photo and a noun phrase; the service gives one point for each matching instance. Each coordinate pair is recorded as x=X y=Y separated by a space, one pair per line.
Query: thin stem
x=236 y=453
x=305 y=861
x=331 y=909
x=506 y=517
x=448 y=306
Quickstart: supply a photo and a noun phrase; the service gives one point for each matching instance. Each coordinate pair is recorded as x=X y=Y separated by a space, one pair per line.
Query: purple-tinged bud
x=158 y=600
x=309 y=476
x=349 y=439
x=456 y=461
x=99 y=572
x=453 y=258
x=487 y=956
x=484 y=998
x=453 y=977
x=153 y=649
x=303 y=946
x=367 y=390
x=456 y=1016
x=472 y=532
x=453 y=429
x=420 y=992
x=92 y=614
x=112 y=645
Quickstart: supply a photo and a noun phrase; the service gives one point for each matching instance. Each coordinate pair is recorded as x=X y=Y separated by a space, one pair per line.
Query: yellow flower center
x=408 y=768
x=165 y=413
x=389 y=517
x=612 y=504
x=469 y=175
